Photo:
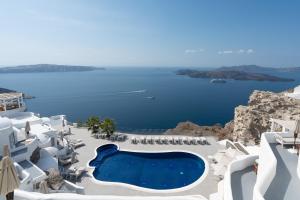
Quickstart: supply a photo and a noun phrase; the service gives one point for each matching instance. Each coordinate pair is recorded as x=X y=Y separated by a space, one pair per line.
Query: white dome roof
x=5 y=123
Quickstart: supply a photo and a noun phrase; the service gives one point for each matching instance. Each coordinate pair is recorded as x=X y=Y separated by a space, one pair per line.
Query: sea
x=139 y=99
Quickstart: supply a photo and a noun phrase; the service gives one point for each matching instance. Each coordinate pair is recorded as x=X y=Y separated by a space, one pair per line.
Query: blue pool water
x=160 y=171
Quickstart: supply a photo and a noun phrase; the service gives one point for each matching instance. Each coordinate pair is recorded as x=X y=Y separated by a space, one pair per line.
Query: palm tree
x=93 y=124
x=108 y=126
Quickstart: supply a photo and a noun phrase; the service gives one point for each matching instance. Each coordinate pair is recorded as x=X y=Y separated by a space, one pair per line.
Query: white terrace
x=274 y=174
x=11 y=102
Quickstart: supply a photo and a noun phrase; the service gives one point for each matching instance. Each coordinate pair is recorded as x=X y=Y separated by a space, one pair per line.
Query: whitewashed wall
x=23 y=195
x=298 y=167
x=266 y=167
x=237 y=165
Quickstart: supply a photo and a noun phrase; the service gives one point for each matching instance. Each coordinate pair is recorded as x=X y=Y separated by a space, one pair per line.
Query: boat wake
x=133 y=92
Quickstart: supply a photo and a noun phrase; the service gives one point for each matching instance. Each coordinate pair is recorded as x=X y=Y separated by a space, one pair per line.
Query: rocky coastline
x=25 y=96
x=249 y=120
x=233 y=75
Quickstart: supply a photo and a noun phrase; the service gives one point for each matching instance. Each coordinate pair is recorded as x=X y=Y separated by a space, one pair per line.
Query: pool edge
x=149 y=190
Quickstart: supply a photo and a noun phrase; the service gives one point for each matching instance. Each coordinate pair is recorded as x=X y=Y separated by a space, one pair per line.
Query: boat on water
x=150 y=97
x=218 y=80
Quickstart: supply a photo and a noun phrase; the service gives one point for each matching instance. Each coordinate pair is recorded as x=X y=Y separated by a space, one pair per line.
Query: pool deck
x=87 y=152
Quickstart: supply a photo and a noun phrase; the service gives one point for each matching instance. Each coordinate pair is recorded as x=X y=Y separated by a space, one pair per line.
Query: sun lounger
x=193 y=141
x=75 y=173
x=143 y=140
x=112 y=137
x=133 y=140
x=73 y=159
x=78 y=144
x=169 y=140
x=187 y=141
x=159 y=141
x=150 y=140
x=173 y=140
x=204 y=140
x=199 y=141
x=180 y=141
x=156 y=140
x=164 y=140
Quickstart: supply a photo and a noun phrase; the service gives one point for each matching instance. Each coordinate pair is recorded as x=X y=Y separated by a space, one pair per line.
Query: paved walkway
x=86 y=153
x=242 y=183
x=286 y=183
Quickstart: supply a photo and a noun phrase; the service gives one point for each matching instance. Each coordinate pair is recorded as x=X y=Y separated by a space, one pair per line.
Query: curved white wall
x=266 y=167
x=237 y=165
x=298 y=167
x=23 y=195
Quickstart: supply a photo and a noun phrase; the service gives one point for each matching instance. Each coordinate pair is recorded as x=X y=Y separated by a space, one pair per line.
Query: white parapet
x=23 y=195
x=298 y=167
x=241 y=163
x=266 y=167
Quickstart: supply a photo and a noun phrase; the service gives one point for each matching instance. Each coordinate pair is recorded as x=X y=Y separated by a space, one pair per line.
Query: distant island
x=243 y=72
x=259 y=69
x=38 y=68
x=4 y=90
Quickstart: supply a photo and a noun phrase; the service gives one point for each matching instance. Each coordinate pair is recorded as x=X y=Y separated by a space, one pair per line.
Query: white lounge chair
x=180 y=140
x=156 y=139
x=193 y=140
x=204 y=140
x=164 y=140
x=188 y=141
x=133 y=140
x=76 y=143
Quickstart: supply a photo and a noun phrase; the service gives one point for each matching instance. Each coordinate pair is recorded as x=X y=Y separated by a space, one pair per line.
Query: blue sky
x=150 y=32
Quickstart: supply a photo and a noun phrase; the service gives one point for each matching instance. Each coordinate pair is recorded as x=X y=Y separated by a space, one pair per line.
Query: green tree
x=108 y=126
x=93 y=124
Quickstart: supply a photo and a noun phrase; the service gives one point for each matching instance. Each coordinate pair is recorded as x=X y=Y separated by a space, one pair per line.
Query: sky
x=203 y=33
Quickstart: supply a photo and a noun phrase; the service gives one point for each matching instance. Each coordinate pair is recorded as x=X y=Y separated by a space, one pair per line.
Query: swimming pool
x=155 y=170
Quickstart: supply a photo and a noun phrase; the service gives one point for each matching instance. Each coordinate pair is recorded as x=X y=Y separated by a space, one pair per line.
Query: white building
x=43 y=140
x=295 y=94
x=272 y=174
x=11 y=103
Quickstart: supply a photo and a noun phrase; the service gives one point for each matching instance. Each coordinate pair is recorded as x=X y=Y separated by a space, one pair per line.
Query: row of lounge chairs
x=169 y=140
x=114 y=137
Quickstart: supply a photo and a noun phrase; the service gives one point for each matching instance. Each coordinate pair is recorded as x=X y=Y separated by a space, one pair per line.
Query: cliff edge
x=250 y=120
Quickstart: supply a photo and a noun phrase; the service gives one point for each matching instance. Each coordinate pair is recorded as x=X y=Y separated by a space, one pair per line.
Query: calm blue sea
x=121 y=93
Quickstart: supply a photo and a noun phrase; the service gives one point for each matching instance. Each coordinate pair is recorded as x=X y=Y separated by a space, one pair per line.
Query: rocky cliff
x=249 y=121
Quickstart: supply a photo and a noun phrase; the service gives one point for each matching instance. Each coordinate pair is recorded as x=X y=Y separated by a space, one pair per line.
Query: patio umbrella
x=27 y=129
x=63 y=123
x=296 y=132
x=61 y=136
x=9 y=180
x=73 y=157
x=5 y=150
x=43 y=187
